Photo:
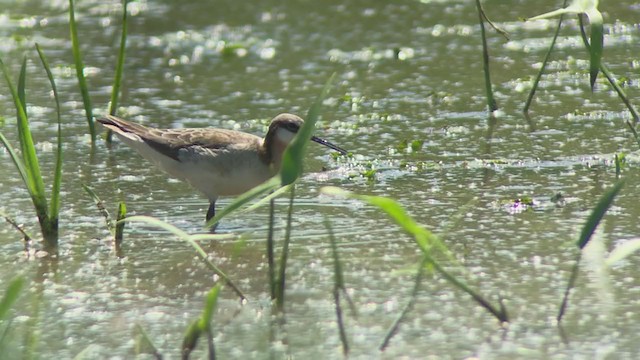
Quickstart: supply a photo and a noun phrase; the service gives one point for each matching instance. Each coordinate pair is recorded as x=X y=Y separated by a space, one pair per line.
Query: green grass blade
x=209 y=308
x=598 y=212
x=267 y=199
x=22 y=79
x=427 y=241
x=113 y=105
x=115 y=91
x=293 y=157
x=281 y=284
x=337 y=265
x=190 y=339
x=567 y=290
x=500 y=314
x=271 y=264
x=423 y=237
x=31 y=167
x=621 y=93
x=54 y=208
x=77 y=57
x=10 y=296
x=119 y=231
x=202 y=325
x=191 y=239
x=597 y=44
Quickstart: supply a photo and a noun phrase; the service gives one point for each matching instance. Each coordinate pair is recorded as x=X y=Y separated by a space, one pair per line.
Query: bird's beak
x=329 y=145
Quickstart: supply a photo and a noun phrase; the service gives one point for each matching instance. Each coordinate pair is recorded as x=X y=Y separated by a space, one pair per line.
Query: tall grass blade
x=547 y=56
x=22 y=79
x=190 y=339
x=621 y=93
x=143 y=343
x=77 y=57
x=54 y=208
x=202 y=325
x=491 y=101
x=567 y=290
x=30 y=169
x=191 y=239
x=267 y=199
x=589 y=8
x=339 y=288
x=281 y=284
x=292 y=159
x=597 y=44
x=587 y=231
x=115 y=91
x=598 y=212
x=270 y=251
x=207 y=316
x=10 y=296
x=412 y=300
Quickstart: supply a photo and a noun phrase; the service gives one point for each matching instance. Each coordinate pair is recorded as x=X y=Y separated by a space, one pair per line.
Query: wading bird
x=217 y=162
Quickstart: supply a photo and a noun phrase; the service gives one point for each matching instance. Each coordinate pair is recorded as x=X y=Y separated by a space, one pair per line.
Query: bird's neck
x=272 y=150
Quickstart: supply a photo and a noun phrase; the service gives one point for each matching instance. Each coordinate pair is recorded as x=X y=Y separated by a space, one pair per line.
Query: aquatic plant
x=431 y=246
x=116 y=228
x=492 y=105
x=202 y=326
x=27 y=164
x=589 y=8
x=594 y=45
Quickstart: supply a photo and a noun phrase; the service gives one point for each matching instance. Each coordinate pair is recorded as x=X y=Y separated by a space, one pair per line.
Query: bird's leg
x=212 y=211
x=210 y=214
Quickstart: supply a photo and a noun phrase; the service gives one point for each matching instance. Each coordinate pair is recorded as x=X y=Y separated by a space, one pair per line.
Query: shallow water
x=462 y=182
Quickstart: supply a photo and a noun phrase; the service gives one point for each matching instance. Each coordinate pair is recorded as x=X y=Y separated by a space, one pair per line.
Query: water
x=463 y=181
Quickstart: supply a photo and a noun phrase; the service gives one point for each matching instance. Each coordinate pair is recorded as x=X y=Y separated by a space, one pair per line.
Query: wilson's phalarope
x=217 y=162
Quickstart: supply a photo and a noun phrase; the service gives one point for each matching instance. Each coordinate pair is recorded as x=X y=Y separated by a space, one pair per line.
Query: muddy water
x=405 y=71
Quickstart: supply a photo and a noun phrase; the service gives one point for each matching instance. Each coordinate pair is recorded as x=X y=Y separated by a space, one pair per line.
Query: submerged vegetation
x=436 y=258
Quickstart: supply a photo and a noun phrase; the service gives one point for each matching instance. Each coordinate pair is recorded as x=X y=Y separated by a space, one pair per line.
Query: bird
x=216 y=162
